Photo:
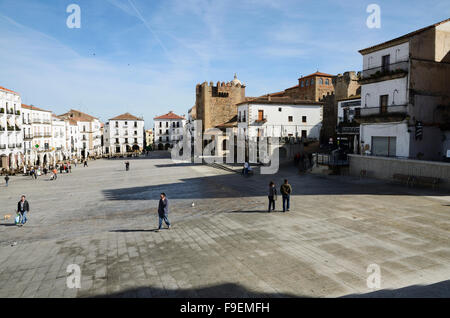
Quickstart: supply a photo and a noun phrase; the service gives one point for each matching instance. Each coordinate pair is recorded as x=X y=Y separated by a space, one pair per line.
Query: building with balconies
x=279 y=117
x=11 y=138
x=124 y=135
x=168 y=130
x=405 y=95
x=89 y=129
x=348 y=109
x=37 y=127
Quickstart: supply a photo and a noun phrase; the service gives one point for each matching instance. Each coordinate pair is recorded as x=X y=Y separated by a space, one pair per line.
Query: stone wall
x=384 y=168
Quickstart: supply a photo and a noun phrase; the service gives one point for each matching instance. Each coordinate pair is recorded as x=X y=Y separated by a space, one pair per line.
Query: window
x=385 y=61
x=384 y=99
x=290 y=119
x=384 y=146
x=327 y=82
x=304 y=134
x=302 y=84
x=178 y=124
x=321 y=81
x=312 y=82
x=135 y=124
x=304 y=119
x=160 y=124
x=307 y=82
x=260 y=115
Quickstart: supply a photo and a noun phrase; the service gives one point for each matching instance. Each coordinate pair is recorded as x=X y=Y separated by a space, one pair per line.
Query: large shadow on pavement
x=235 y=185
x=438 y=290
x=217 y=291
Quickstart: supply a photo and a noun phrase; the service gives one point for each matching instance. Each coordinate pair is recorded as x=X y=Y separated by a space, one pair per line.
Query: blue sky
x=146 y=56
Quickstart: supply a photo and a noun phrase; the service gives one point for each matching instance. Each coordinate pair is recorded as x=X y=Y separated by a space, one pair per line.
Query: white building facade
x=280 y=119
x=405 y=94
x=124 y=135
x=90 y=133
x=168 y=130
x=11 y=137
x=39 y=137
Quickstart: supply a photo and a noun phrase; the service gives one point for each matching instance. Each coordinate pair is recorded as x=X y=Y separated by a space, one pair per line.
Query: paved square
x=102 y=218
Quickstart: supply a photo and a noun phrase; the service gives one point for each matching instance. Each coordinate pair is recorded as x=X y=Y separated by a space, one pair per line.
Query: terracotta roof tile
x=126 y=116
x=35 y=108
x=8 y=90
x=169 y=115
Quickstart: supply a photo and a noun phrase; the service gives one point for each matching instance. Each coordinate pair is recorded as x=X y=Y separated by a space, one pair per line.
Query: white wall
x=123 y=132
x=340 y=116
x=175 y=134
x=398 y=130
x=397 y=89
x=278 y=124
x=398 y=53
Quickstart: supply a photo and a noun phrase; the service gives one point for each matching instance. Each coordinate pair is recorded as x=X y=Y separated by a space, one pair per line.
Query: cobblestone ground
x=102 y=218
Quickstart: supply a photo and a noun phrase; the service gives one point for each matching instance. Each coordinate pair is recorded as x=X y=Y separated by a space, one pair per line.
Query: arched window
x=307 y=82
x=327 y=82
x=302 y=84
x=312 y=82
x=321 y=81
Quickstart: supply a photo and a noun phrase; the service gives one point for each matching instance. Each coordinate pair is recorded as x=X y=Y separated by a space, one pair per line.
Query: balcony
x=386 y=72
x=382 y=114
x=27 y=136
x=2 y=147
x=47 y=135
x=46 y=121
x=11 y=146
x=2 y=128
x=36 y=121
x=38 y=135
x=10 y=128
x=261 y=121
x=19 y=146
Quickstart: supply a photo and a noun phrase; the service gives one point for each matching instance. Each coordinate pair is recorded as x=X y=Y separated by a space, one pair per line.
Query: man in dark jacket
x=23 y=207
x=163 y=211
x=286 y=191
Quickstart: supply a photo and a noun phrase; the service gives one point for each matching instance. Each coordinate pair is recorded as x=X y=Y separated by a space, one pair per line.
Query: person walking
x=85 y=163
x=272 y=195
x=55 y=174
x=286 y=191
x=70 y=167
x=127 y=166
x=23 y=208
x=7 y=180
x=163 y=211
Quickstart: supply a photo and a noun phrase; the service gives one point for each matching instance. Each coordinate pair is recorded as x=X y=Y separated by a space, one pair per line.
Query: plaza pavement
x=103 y=219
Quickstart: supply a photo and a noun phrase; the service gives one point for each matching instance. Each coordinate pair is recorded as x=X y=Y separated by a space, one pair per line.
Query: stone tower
x=216 y=104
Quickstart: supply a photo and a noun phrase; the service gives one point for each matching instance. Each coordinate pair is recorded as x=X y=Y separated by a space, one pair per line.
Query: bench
x=416 y=180
x=427 y=181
